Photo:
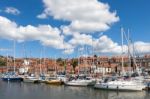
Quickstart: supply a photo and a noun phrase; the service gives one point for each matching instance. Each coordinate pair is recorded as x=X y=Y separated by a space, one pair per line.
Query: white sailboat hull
x=118 y=85
x=78 y=82
x=30 y=80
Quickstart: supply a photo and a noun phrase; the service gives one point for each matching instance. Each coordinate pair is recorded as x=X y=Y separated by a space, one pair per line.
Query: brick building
x=101 y=63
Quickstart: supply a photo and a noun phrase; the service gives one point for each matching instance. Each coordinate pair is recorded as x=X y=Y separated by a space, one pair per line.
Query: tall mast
x=44 y=59
x=7 y=62
x=122 y=58
x=78 y=61
x=134 y=60
x=40 y=61
x=24 y=58
x=93 y=58
x=14 y=45
x=86 y=65
x=129 y=53
x=55 y=66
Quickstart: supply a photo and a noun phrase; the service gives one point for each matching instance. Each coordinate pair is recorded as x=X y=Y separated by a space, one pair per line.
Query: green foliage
x=74 y=63
x=62 y=63
x=2 y=62
x=59 y=60
x=125 y=64
x=95 y=55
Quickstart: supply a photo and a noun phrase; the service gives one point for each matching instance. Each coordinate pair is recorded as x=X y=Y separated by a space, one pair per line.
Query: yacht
x=80 y=81
x=120 y=84
x=30 y=79
x=11 y=76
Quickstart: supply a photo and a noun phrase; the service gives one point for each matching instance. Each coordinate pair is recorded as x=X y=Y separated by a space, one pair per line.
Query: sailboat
x=29 y=78
x=121 y=83
x=43 y=75
x=80 y=80
x=54 y=80
x=12 y=76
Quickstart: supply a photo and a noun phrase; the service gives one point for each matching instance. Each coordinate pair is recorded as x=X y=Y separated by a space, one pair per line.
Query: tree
x=95 y=56
x=95 y=61
x=74 y=64
x=2 y=62
x=59 y=60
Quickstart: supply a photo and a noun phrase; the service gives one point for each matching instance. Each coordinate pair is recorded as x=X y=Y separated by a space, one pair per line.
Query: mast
x=86 y=59
x=78 y=61
x=14 y=45
x=93 y=59
x=129 y=53
x=127 y=37
x=44 y=58
x=55 y=66
x=24 y=57
x=122 y=58
x=7 y=62
x=40 y=61
x=134 y=60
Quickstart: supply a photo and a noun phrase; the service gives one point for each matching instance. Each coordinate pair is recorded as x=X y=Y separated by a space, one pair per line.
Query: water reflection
x=22 y=90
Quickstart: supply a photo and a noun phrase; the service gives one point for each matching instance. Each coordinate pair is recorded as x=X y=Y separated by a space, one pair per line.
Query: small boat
x=11 y=77
x=54 y=81
x=30 y=79
x=63 y=78
x=43 y=78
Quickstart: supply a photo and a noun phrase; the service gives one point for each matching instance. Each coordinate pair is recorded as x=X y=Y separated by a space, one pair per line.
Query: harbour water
x=17 y=90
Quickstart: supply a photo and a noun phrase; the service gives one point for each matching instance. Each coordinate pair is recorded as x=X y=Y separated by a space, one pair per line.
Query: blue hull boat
x=12 y=79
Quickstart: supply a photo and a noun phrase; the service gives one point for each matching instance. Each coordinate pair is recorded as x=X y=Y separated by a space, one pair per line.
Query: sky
x=69 y=28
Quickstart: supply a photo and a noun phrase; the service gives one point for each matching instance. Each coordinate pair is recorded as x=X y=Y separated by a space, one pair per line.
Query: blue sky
x=130 y=14
x=133 y=15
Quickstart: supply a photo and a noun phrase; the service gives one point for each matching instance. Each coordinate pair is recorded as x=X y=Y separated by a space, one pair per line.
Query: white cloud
x=52 y=37
x=81 y=39
x=106 y=45
x=103 y=44
x=42 y=16
x=12 y=10
x=85 y=16
x=142 y=47
x=5 y=49
x=68 y=51
x=46 y=34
